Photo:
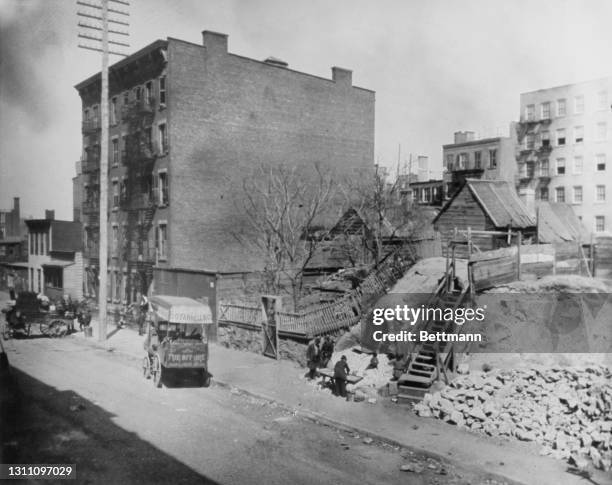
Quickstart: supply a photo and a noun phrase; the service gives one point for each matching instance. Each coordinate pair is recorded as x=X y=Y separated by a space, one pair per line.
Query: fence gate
x=269 y=325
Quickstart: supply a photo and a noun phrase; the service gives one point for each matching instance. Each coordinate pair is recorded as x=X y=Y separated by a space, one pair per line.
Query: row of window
x=39 y=243
x=462 y=161
x=530 y=169
x=154 y=190
x=161 y=240
x=142 y=94
x=543 y=139
x=577 y=194
x=561 y=107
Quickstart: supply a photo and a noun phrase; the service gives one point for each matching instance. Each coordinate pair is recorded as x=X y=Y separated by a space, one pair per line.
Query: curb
x=326 y=421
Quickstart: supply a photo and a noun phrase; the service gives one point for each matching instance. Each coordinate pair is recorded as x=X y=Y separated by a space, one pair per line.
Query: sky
x=437 y=66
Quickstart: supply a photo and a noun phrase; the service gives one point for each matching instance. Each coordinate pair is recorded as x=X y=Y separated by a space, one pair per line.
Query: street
x=93 y=408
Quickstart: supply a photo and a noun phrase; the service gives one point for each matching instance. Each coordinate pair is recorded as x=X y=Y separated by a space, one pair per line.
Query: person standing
x=144 y=310
x=312 y=357
x=327 y=349
x=10 y=281
x=341 y=372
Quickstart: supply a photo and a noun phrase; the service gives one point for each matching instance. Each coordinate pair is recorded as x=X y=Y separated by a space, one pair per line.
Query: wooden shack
x=484 y=205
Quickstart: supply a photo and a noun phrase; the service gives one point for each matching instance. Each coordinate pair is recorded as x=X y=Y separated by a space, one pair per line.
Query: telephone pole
x=100 y=15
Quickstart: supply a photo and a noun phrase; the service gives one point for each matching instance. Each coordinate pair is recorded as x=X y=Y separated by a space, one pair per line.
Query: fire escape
x=533 y=153
x=90 y=168
x=138 y=197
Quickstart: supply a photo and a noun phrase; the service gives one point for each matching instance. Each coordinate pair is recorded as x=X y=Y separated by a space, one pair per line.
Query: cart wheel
x=157 y=372
x=45 y=328
x=146 y=368
x=205 y=378
x=56 y=328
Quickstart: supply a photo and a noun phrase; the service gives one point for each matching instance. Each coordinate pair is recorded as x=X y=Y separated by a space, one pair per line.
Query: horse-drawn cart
x=28 y=313
x=176 y=339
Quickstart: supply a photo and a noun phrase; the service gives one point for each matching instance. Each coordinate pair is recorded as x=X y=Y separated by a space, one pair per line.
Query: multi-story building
x=485 y=158
x=564 y=149
x=187 y=122
x=13 y=246
x=55 y=260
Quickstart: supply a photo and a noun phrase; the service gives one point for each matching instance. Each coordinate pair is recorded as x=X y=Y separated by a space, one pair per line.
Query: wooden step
x=415 y=378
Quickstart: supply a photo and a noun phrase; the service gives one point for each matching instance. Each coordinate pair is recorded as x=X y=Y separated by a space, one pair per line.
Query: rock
x=445 y=406
x=524 y=435
x=372 y=401
x=463 y=369
x=477 y=413
x=456 y=418
x=412 y=467
x=368 y=441
x=579 y=460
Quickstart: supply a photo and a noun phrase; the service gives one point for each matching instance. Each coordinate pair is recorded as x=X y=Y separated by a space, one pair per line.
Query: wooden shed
x=484 y=205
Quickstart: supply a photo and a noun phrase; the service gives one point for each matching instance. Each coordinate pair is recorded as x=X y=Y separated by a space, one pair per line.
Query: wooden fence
x=492 y=268
x=324 y=319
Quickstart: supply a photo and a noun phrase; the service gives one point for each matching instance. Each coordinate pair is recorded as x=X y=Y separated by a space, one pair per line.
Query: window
x=530 y=142
x=545 y=138
x=561 y=107
x=162 y=90
x=579 y=105
x=115 y=240
x=124 y=152
x=163 y=138
x=578 y=165
x=600 y=193
x=493 y=158
x=163 y=188
x=463 y=161
x=449 y=162
x=600 y=160
x=148 y=93
x=577 y=194
x=162 y=240
x=530 y=169
x=113 y=111
x=560 y=194
x=545 y=111
x=86 y=115
x=126 y=98
x=600 y=223
x=560 y=166
x=415 y=195
x=561 y=136
x=115 y=193
x=427 y=194
x=530 y=112
x=477 y=159
x=95 y=115
x=543 y=193
x=602 y=130
x=115 y=142
x=137 y=93
x=602 y=100
x=578 y=134
x=544 y=168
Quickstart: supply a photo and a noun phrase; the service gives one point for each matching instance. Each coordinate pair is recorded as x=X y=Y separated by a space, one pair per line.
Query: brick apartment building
x=187 y=121
x=564 y=149
x=485 y=158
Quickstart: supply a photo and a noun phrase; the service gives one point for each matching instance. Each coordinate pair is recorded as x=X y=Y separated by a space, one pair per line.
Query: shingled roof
x=499 y=201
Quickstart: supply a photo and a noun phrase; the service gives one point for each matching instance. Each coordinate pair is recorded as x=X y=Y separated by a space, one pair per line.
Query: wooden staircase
x=427 y=361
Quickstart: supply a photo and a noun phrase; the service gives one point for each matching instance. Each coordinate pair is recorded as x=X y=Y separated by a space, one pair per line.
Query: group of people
x=318 y=354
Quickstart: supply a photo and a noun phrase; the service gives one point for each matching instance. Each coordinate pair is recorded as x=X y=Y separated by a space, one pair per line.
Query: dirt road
x=92 y=408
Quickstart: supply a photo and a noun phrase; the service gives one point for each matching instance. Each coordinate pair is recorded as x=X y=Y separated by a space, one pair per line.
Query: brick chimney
x=49 y=214
x=215 y=43
x=342 y=76
x=464 y=136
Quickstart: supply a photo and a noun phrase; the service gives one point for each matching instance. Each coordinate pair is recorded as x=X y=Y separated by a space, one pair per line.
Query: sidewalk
x=284 y=382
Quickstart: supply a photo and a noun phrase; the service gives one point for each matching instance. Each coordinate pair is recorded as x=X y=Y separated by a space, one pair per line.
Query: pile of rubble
x=565 y=410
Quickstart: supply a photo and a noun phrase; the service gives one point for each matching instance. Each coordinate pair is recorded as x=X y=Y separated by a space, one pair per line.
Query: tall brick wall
x=228 y=114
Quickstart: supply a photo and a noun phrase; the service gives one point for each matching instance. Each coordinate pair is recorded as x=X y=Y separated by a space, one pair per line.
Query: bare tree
x=282 y=207
x=387 y=217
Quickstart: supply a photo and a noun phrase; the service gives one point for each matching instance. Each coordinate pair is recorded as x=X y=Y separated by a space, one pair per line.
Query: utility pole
x=103 y=16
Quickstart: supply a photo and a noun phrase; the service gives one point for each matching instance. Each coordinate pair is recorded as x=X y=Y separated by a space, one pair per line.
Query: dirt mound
x=554 y=283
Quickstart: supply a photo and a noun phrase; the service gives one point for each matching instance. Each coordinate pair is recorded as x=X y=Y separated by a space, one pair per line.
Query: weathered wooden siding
x=464 y=212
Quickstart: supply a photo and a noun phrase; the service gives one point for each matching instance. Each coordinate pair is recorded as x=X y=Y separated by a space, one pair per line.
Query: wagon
x=27 y=312
x=176 y=339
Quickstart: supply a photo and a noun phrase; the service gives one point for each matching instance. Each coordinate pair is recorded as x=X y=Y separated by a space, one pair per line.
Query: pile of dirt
x=566 y=410
x=554 y=283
